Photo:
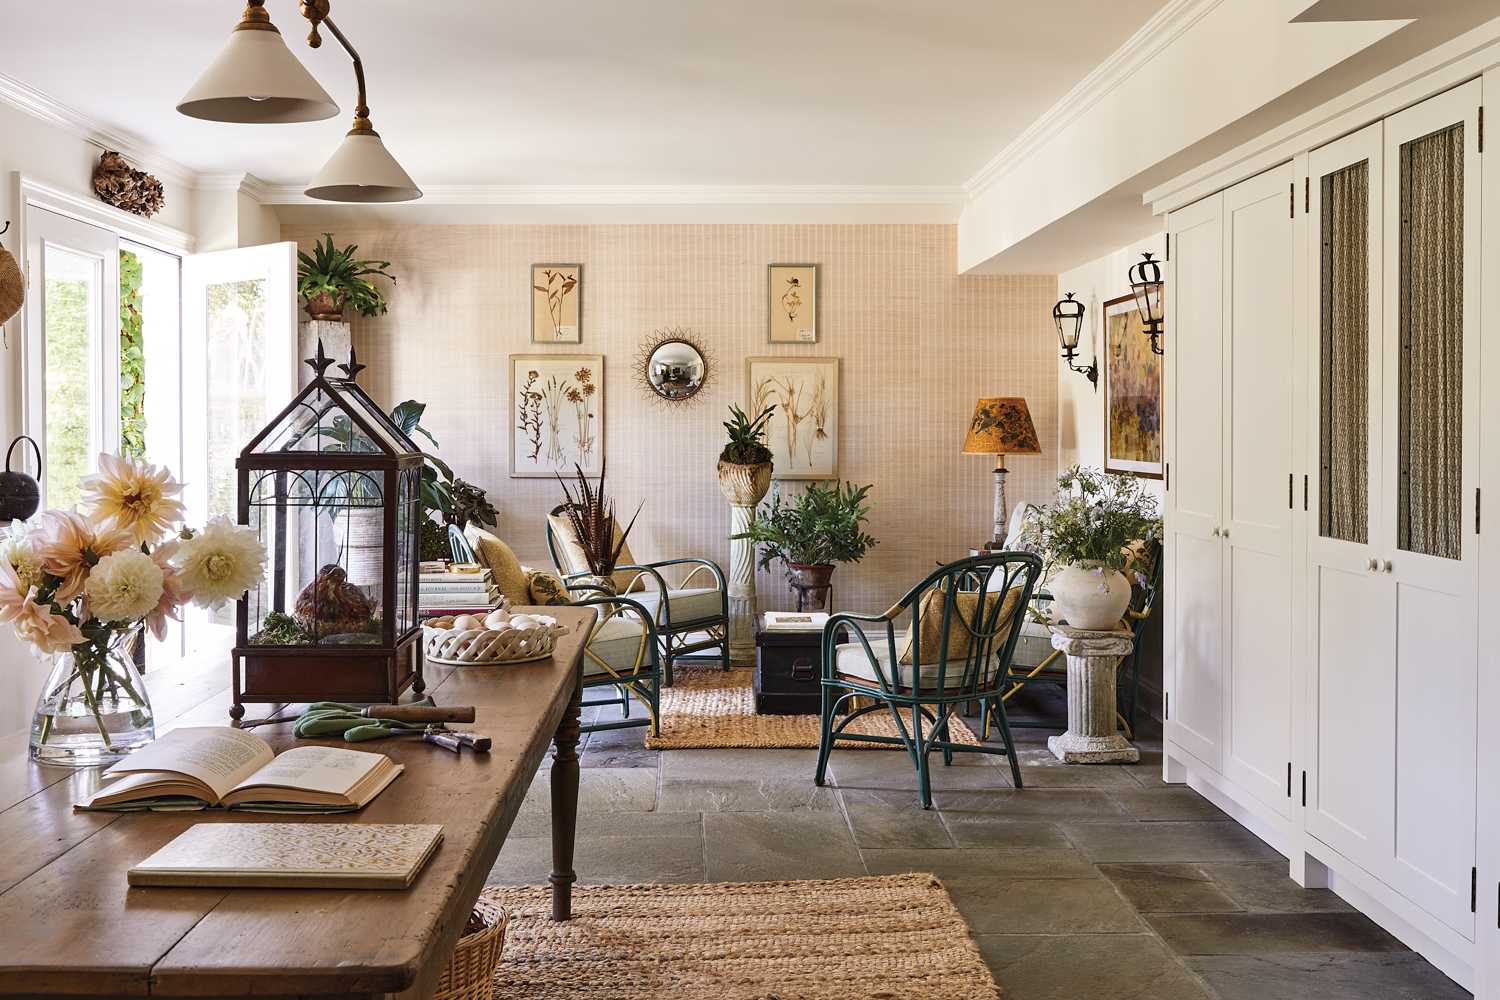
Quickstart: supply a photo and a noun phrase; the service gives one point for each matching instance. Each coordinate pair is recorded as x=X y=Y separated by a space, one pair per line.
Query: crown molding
x=657 y=194
x=139 y=154
x=1164 y=28
x=88 y=209
x=242 y=182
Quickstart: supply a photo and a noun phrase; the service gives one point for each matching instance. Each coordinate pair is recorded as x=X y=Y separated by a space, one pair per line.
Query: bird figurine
x=331 y=605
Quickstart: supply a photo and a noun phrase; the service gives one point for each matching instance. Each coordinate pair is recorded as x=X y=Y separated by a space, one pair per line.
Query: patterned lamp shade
x=1001 y=425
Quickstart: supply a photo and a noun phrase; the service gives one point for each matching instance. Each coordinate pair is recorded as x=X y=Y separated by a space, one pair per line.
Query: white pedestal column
x=335 y=337
x=1091 y=736
x=741 y=590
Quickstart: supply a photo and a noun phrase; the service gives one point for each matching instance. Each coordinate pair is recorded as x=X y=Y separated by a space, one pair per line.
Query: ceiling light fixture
x=259 y=80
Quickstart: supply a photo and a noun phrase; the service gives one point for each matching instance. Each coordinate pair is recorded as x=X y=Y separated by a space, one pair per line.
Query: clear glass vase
x=93 y=708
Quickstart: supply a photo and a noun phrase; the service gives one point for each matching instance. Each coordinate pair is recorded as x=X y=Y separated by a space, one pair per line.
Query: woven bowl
x=470 y=974
x=466 y=647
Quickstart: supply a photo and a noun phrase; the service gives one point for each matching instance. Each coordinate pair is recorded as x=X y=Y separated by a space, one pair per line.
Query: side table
x=789 y=670
x=1091 y=736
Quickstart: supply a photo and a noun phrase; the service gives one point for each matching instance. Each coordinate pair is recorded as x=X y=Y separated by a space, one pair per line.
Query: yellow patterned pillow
x=545 y=588
x=930 y=615
x=504 y=567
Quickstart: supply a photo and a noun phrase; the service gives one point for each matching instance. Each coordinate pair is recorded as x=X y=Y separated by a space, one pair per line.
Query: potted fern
x=745 y=463
x=815 y=530
x=331 y=279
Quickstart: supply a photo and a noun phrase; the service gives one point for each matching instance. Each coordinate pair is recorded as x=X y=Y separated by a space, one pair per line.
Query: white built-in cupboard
x=1327 y=645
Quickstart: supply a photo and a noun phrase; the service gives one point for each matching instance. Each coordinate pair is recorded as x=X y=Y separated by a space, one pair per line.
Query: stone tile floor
x=1090 y=880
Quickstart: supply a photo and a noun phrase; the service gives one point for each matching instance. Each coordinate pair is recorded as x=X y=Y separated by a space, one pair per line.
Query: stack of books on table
x=456 y=594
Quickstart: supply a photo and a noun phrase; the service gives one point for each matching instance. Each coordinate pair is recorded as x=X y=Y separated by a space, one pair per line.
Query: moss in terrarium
x=280 y=629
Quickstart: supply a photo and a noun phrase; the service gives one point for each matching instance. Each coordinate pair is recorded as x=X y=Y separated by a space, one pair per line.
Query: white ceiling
x=662 y=92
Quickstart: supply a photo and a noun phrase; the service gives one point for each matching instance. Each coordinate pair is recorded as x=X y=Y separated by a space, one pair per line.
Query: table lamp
x=1001 y=426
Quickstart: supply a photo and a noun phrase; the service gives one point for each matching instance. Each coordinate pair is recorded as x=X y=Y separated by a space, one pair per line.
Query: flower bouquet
x=78 y=585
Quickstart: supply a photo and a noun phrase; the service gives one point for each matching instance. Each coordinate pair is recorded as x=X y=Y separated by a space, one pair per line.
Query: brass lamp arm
x=316 y=12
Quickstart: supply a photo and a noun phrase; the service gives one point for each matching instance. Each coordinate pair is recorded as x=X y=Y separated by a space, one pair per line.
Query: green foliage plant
x=817 y=527
x=746 y=437
x=1095 y=518
x=132 y=358
x=337 y=272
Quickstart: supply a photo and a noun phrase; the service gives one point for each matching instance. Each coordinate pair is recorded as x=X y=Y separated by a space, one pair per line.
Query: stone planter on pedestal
x=744 y=487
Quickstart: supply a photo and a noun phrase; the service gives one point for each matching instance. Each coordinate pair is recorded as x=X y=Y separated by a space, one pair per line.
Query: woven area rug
x=708 y=707
x=884 y=938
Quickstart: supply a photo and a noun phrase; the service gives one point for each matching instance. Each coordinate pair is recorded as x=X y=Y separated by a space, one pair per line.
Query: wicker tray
x=482 y=646
x=470 y=974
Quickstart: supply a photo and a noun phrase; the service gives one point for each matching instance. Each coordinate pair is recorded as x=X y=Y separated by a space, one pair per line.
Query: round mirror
x=675 y=369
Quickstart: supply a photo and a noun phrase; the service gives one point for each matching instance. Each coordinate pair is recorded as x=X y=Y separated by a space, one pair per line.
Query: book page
x=219 y=756
x=318 y=769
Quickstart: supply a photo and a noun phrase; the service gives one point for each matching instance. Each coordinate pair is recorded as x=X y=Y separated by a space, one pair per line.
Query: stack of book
x=456 y=594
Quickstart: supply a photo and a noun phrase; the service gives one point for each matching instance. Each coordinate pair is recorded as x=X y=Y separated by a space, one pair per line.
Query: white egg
x=527 y=626
x=497 y=618
x=521 y=619
x=467 y=622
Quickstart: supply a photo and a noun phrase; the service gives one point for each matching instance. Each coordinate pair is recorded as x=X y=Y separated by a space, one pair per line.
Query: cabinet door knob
x=1387 y=566
x=1225 y=533
x=1216 y=531
x=1374 y=564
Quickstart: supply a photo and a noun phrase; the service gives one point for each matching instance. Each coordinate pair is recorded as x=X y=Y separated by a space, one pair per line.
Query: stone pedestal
x=1091 y=737
x=335 y=337
x=741 y=583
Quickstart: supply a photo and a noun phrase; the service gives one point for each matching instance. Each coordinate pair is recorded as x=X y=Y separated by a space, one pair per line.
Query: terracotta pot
x=1076 y=593
x=324 y=306
x=745 y=485
x=811 y=585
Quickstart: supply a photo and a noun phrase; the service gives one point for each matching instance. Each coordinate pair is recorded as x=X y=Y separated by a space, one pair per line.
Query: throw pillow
x=930 y=616
x=505 y=568
x=546 y=589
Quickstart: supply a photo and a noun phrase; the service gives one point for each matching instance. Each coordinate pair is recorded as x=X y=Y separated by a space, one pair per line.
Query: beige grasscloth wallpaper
x=917 y=342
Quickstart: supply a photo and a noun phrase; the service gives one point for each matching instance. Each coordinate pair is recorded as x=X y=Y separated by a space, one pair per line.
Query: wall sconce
x=1146 y=285
x=256 y=79
x=1068 y=315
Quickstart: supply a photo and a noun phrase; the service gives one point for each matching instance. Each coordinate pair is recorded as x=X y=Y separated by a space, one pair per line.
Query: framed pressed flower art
x=792 y=304
x=556 y=303
x=557 y=414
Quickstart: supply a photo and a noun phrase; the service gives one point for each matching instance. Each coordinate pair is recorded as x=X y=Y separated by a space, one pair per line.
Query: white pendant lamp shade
x=257 y=80
x=362 y=170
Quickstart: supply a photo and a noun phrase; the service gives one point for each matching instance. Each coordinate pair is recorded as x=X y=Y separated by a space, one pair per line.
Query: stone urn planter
x=1090 y=595
x=325 y=306
x=745 y=485
x=811 y=585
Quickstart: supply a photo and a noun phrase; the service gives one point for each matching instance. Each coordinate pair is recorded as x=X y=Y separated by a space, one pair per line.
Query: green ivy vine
x=132 y=358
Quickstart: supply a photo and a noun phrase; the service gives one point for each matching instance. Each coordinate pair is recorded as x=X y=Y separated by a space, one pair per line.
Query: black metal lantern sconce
x=1068 y=315
x=1146 y=285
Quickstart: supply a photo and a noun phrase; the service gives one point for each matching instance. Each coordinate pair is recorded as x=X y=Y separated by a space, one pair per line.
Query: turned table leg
x=565 y=802
x=1091 y=736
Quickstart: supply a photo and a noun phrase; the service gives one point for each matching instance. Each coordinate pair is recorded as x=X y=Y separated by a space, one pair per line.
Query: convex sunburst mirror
x=673 y=366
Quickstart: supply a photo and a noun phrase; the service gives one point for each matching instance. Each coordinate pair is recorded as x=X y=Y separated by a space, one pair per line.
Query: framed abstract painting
x=1132 y=393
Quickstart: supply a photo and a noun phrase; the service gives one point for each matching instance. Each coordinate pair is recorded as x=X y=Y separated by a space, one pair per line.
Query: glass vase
x=93 y=708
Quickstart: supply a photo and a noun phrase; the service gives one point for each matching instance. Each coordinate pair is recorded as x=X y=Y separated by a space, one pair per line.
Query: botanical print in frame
x=556 y=303
x=1132 y=393
x=803 y=432
x=792 y=298
x=556 y=414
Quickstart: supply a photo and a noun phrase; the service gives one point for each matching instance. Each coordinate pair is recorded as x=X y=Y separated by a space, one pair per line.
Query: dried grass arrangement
x=118 y=184
x=592 y=516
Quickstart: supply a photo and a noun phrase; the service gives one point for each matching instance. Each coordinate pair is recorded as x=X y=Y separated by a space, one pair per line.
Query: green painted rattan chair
x=687 y=619
x=965 y=621
x=621 y=652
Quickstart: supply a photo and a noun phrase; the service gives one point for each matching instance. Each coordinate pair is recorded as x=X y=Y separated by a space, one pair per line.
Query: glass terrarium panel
x=398 y=442
x=320 y=422
x=325 y=533
x=408 y=540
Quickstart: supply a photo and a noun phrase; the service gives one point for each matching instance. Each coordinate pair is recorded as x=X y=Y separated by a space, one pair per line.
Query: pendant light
x=257 y=80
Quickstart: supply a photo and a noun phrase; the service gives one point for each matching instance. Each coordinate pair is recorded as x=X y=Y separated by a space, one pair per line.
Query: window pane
x=70 y=305
x=1430 y=427
x=236 y=382
x=1344 y=508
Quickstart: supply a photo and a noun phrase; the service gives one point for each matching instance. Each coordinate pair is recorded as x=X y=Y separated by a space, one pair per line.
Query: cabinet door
x=1194 y=554
x=1351 y=645
x=1430 y=467
x=1258 y=493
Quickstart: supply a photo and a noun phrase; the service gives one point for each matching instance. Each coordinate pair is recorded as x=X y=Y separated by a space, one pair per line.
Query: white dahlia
x=19 y=553
x=221 y=562
x=135 y=494
x=124 y=586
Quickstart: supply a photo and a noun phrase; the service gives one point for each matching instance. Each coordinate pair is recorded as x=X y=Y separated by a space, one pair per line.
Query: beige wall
x=918 y=345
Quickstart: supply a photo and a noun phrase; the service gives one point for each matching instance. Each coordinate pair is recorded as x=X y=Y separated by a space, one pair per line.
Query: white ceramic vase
x=1077 y=595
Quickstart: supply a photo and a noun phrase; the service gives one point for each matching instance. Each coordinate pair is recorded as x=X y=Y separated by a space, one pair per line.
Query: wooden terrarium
x=333 y=488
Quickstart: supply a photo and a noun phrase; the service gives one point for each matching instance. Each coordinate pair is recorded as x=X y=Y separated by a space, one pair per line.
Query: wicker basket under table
x=471 y=971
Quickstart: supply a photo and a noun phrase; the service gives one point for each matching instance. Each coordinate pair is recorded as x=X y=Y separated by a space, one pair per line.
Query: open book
x=218 y=766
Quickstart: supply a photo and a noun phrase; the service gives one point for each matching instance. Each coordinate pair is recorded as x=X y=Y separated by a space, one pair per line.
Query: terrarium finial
x=320 y=362
x=353 y=368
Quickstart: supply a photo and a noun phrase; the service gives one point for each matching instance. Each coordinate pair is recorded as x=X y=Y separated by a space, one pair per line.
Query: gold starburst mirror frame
x=673 y=366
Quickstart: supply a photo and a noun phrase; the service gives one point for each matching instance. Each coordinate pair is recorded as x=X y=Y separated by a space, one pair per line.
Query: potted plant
x=592 y=517
x=809 y=534
x=745 y=463
x=455 y=501
x=332 y=279
x=1093 y=530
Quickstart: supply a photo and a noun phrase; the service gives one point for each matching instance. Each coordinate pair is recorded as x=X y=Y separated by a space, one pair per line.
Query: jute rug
x=708 y=707
x=885 y=938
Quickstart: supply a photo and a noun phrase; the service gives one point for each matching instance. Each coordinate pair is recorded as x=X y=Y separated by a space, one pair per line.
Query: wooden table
x=69 y=924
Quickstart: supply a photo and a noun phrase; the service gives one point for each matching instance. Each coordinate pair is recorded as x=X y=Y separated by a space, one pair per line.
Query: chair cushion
x=1032 y=648
x=930 y=616
x=545 y=589
x=505 y=568
x=618 y=643
x=574 y=560
x=851 y=660
x=685 y=605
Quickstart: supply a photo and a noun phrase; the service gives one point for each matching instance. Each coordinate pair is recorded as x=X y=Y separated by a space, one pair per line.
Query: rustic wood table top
x=69 y=924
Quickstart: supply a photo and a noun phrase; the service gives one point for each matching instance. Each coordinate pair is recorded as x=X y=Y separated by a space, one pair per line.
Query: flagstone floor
x=1089 y=881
